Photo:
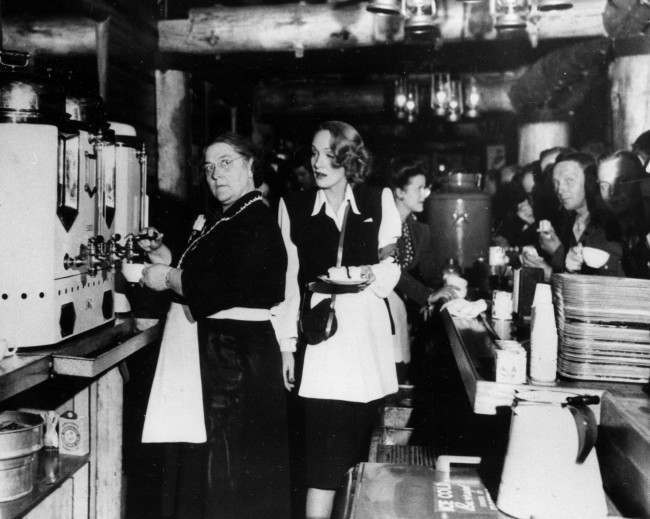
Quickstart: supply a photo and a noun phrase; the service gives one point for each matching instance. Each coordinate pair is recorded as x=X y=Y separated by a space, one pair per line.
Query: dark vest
x=317 y=237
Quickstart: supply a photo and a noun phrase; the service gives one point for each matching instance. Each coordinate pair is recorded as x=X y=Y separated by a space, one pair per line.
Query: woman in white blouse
x=344 y=378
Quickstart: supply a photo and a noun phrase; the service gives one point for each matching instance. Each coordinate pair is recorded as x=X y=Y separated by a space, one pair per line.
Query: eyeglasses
x=223 y=164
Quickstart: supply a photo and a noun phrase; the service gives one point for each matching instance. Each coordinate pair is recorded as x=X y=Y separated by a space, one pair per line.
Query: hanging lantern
x=440 y=93
x=400 y=94
x=420 y=17
x=385 y=6
x=510 y=14
x=472 y=99
x=455 y=104
x=412 y=106
x=554 y=5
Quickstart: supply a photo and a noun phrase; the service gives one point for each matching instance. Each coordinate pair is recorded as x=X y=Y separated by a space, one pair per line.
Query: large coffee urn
x=459 y=218
x=56 y=199
x=132 y=212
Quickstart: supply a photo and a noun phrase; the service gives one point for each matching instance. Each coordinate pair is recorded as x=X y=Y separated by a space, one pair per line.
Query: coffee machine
x=57 y=208
x=132 y=211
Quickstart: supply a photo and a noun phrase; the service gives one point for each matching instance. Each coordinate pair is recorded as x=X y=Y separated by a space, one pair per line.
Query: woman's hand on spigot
x=150 y=240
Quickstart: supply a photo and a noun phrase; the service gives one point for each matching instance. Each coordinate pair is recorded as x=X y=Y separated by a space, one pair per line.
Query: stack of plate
x=603 y=327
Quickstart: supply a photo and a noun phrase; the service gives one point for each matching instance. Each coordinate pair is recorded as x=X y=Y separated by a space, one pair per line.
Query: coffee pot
x=551 y=469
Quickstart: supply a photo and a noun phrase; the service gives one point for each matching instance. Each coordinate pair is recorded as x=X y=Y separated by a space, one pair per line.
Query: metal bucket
x=21 y=436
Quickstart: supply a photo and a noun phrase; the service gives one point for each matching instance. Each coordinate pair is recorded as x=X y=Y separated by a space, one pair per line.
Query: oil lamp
x=420 y=16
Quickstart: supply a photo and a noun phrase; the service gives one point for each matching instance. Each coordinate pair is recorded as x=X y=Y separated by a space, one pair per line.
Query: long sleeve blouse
x=357 y=363
x=420 y=267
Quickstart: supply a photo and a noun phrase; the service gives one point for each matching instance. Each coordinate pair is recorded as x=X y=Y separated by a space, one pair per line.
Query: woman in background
x=413 y=253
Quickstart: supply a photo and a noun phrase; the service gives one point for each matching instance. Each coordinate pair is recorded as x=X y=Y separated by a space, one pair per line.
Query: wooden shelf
x=92 y=356
x=53 y=470
x=87 y=356
x=22 y=372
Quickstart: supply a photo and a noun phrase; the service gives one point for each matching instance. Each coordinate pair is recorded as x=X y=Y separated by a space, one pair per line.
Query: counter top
x=473 y=349
x=624 y=415
x=87 y=355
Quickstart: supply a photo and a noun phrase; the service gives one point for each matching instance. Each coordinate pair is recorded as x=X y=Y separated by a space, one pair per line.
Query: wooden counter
x=81 y=375
x=473 y=349
x=624 y=432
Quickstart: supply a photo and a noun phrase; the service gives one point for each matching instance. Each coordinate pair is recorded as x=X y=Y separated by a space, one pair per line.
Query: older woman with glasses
x=227 y=280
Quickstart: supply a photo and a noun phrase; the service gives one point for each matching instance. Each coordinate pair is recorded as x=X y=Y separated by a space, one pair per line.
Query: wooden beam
x=304 y=98
x=58 y=37
x=299 y=27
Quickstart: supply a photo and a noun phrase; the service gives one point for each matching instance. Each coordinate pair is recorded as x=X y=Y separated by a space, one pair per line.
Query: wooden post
x=535 y=137
x=630 y=98
x=108 y=422
x=173 y=110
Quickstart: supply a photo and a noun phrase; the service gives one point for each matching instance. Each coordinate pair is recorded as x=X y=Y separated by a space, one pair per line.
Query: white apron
x=175 y=408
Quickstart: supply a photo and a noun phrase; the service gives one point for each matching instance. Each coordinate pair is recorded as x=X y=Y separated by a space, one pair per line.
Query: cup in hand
x=594 y=258
x=132 y=272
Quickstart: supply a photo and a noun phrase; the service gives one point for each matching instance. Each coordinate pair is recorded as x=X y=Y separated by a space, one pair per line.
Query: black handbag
x=318 y=324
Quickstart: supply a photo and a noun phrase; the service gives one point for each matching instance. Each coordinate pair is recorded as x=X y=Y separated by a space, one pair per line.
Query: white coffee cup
x=132 y=272
x=497 y=256
x=594 y=258
x=501 y=304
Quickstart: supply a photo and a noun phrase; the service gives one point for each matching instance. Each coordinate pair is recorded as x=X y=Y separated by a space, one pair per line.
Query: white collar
x=322 y=199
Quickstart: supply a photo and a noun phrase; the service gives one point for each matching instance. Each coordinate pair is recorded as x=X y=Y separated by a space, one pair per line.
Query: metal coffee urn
x=57 y=206
x=132 y=214
x=459 y=218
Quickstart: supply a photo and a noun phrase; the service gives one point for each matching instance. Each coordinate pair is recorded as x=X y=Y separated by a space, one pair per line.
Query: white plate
x=344 y=282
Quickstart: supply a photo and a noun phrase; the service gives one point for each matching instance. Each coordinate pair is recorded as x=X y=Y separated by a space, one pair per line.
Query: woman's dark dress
x=240 y=263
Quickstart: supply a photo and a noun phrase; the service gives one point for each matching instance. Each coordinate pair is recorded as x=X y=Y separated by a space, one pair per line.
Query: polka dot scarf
x=405 y=253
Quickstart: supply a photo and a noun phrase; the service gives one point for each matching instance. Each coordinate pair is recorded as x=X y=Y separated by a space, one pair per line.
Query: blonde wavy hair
x=349 y=151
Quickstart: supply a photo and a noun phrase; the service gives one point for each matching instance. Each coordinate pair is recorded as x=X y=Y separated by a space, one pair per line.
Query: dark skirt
x=337 y=437
x=242 y=472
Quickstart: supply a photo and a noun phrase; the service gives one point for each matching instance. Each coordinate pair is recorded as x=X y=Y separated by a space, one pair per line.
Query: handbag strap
x=339 y=252
x=339 y=256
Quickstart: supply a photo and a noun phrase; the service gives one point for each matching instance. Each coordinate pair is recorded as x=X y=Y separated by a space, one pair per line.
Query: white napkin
x=463 y=308
x=457 y=282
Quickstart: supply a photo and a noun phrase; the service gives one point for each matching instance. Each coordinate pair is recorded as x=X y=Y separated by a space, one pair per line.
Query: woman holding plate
x=344 y=377
x=228 y=279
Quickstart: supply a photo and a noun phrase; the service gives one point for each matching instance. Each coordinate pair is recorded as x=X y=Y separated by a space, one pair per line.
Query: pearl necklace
x=194 y=243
